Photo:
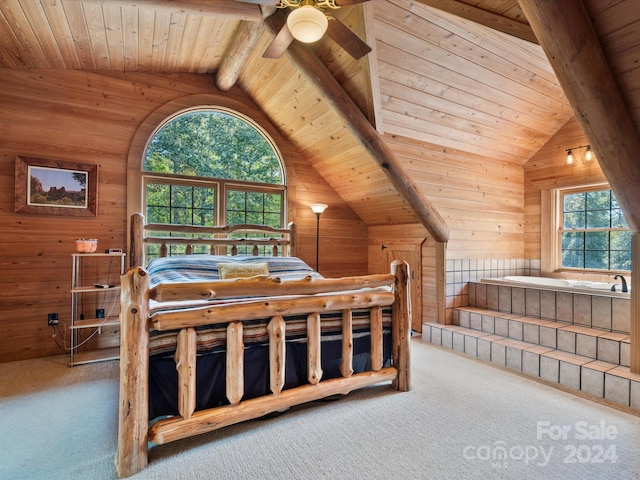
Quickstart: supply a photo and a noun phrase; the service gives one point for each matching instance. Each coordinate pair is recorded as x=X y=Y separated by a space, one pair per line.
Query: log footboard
x=271 y=300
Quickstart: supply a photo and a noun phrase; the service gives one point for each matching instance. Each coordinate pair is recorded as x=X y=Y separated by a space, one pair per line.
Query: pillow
x=242 y=270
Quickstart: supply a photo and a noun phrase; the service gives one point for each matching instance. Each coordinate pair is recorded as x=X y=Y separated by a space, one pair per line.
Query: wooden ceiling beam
x=220 y=8
x=484 y=17
x=240 y=47
x=570 y=42
x=315 y=71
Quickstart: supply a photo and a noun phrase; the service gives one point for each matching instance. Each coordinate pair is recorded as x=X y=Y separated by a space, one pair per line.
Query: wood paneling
x=548 y=170
x=430 y=269
x=480 y=198
x=91 y=118
x=461 y=85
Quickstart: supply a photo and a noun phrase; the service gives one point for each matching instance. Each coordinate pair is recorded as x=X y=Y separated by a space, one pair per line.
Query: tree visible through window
x=212 y=167
x=594 y=233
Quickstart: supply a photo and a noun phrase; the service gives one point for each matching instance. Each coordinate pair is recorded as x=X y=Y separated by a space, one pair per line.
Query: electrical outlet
x=52 y=319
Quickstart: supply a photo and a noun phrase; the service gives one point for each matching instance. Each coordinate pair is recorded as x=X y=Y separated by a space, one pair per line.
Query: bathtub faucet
x=624 y=284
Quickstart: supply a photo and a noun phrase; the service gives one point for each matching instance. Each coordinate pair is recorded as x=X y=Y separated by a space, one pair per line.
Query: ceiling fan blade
x=279 y=44
x=343 y=36
x=273 y=3
x=343 y=3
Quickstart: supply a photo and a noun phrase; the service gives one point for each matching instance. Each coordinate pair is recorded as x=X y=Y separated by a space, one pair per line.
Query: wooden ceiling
x=449 y=76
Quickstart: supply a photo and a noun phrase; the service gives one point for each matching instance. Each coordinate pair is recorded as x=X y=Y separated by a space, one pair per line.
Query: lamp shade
x=307 y=24
x=318 y=208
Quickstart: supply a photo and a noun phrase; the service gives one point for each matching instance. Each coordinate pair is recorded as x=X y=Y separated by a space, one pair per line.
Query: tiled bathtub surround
x=462 y=271
x=602 y=311
x=578 y=340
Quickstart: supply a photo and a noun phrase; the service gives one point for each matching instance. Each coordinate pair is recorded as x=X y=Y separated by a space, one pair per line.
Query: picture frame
x=55 y=187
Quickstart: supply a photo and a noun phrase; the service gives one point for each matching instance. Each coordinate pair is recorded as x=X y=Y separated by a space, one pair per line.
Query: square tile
x=592 y=381
x=471 y=345
x=436 y=335
x=601 y=312
x=426 y=332
x=504 y=298
x=586 y=345
x=464 y=318
x=625 y=353
x=531 y=363
x=481 y=295
x=621 y=314
x=518 y=302
x=564 y=307
x=566 y=341
x=447 y=338
x=458 y=342
x=516 y=330
x=582 y=309
x=514 y=358
x=492 y=297
x=617 y=389
x=472 y=292
x=475 y=321
x=608 y=350
x=498 y=353
x=548 y=336
x=484 y=349
x=548 y=304
x=488 y=323
x=501 y=326
x=531 y=333
x=549 y=369
x=570 y=375
x=532 y=302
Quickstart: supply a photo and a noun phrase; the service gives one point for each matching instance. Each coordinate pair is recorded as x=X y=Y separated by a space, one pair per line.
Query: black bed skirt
x=211 y=372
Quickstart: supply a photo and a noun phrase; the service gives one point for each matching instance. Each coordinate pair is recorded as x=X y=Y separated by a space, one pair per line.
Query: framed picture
x=55 y=187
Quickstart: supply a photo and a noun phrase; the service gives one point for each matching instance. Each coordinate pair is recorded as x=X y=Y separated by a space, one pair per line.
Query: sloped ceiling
x=437 y=77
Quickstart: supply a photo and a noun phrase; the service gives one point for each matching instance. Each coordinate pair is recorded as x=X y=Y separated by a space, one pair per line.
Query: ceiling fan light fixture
x=307 y=24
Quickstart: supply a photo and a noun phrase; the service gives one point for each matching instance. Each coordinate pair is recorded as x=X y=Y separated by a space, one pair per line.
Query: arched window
x=212 y=167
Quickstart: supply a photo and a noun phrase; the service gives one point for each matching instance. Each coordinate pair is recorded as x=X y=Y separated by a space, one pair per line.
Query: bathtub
x=555 y=283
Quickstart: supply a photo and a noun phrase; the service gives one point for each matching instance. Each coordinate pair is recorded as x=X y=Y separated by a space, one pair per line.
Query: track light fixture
x=588 y=154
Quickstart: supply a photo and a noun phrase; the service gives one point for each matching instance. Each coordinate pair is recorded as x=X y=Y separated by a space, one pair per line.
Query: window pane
x=573 y=258
x=573 y=241
x=596 y=240
x=213 y=144
x=598 y=200
x=596 y=259
x=574 y=202
x=605 y=249
x=574 y=220
x=598 y=219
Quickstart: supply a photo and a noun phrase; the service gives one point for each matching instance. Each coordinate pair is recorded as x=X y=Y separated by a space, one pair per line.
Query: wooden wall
x=480 y=198
x=547 y=170
x=92 y=118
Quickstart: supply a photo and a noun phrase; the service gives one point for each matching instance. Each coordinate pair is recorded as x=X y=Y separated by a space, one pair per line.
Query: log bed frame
x=284 y=298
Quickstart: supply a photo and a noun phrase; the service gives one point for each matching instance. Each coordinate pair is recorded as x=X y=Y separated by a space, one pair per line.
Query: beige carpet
x=463 y=419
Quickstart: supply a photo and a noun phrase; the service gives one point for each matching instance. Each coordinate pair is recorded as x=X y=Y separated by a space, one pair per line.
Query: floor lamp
x=318 y=208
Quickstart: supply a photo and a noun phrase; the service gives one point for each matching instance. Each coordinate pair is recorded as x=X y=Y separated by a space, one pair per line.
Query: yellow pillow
x=242 y=270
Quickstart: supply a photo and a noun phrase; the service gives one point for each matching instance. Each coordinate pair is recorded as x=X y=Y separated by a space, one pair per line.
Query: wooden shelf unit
x=93 y=325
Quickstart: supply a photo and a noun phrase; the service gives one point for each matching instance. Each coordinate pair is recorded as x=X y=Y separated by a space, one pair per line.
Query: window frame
x=221 y=185
x=558 y=228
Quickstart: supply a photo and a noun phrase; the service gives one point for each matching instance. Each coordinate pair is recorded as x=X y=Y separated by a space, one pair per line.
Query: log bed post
x=136 y=252
x=401 y=333
x=133 y=407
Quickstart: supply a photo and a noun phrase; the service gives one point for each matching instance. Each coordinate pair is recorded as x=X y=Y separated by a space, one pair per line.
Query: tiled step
x=611 y=347
x=608 y=380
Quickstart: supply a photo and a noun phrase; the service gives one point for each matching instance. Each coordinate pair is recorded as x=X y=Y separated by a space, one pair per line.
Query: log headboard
x=219 y=240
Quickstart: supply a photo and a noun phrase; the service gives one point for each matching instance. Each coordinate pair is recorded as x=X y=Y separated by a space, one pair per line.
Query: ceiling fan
x=307 y=22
